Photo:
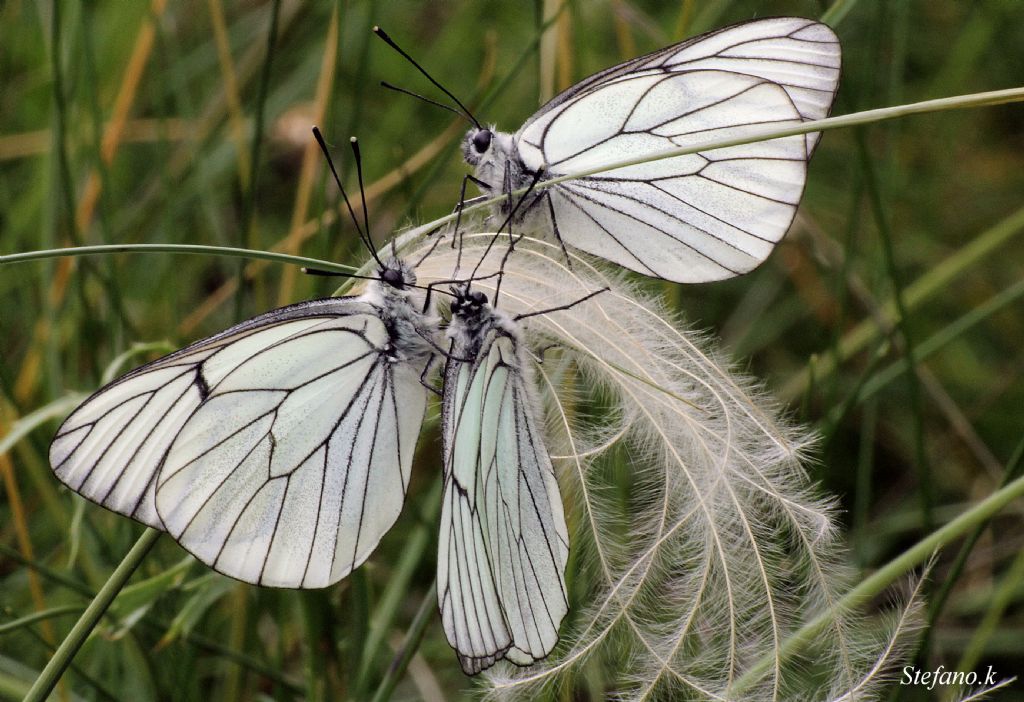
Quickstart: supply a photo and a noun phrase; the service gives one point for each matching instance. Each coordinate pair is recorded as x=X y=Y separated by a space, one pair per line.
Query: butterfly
x=277 y=451
x=695 y=218
x=503 y=541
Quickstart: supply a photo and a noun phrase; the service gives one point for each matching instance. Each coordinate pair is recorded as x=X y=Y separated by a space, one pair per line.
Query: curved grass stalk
x=864 y=117
x=24 y=426
x=61 y=659
x=230 y=252
x=936 y=279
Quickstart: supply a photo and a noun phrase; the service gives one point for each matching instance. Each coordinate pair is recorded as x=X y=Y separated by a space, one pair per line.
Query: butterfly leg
x=447 y=354
x=511 y=239
x=463 y=202
x=430 y=293
x=458 y=209
x=570 y=305
x=427 y=254
x=554 y=228
x=423 y=376
x=506 y=187
x=458 y=221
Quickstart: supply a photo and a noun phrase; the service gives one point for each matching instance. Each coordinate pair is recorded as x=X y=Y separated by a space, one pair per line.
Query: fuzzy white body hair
x=468 y=331
x=490 y=166
x=502 y=170
x=401 y=310
x=725 y=550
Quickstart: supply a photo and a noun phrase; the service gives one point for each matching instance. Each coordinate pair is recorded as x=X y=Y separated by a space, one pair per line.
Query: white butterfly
x=695 y=218
x=277 y=451
x=503 y=544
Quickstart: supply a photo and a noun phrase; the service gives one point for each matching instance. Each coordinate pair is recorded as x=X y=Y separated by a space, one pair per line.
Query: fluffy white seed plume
x=722 y=549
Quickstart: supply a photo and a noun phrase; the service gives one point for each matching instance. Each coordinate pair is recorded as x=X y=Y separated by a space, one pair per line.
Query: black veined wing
x=695 y=218
x=277 y=451
x=503 y=543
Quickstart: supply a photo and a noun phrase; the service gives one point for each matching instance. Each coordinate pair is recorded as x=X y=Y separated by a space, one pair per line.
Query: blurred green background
x=188 y=122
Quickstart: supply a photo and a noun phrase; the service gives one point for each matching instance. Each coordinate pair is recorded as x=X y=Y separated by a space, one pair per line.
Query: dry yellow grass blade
x=112 y=135
x=39 y=141
x=236 y=116
x=21 y=530
x=310 y=155
x=126 y=94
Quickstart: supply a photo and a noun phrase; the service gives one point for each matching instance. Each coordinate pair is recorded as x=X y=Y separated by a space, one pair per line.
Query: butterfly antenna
x=391 y=42
x=427 y=100
x=320 y=272
x=365 y=238
x=362 y=191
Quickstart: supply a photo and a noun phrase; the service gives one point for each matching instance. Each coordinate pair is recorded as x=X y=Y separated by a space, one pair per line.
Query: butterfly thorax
x=400 y=308
x=496 y=162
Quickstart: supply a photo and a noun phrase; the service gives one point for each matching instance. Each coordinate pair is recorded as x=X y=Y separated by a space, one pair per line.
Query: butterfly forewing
x=111 y=446
x=503 y=544
x=301 y=487
x=800 y=55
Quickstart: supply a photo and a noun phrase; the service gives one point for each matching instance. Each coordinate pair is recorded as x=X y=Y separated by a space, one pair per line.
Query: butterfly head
x=495 y=160
x=476 y=144
x=473 y=318
x=395 y=285
x=472 y=315
x=466 y=303
x=396 y=274
x=484 y=145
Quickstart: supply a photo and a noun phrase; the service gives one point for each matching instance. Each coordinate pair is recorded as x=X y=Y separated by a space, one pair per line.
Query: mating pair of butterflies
x=279 y=451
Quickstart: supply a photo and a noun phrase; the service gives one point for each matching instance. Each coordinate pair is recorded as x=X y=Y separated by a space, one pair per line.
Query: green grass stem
x=426 y=612
x=934 y=281
x=885 y=576
x=958 y=102
x=62 y=658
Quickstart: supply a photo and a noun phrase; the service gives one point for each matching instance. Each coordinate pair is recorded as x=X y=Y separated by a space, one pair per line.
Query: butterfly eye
x=393 y=277
x=482 y=140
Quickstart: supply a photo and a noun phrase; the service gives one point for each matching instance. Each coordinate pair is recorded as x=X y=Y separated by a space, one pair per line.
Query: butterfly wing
x=800 y=55
x=503 y=544
x=705 y=216
x=277 y=452
x=110 y=447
